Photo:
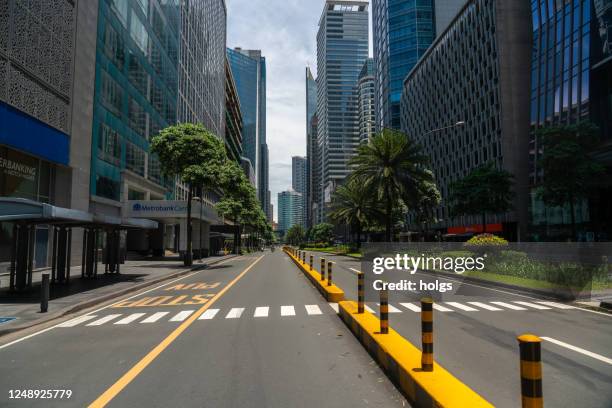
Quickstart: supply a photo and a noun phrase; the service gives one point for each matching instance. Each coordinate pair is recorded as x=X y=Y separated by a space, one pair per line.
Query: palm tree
x=352 y=205
x=394 y=167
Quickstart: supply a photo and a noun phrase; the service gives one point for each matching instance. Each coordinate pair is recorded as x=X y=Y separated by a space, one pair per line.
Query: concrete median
x=331 y=293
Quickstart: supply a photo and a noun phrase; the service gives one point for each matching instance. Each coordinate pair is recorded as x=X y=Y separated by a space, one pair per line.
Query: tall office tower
x=471 y=74
x=311 y=147
x=299 y=177
x=365 y=94
x=249 y=69
x=402 y=32
x=290 y=210
x=342 y=48
x=571 y=81
x=233 y=117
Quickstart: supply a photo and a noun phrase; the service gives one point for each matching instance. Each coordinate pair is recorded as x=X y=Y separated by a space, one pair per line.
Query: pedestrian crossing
x=290 y=311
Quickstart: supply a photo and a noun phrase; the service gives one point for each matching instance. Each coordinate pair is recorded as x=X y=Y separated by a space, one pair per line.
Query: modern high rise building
x=312 y=169
x=249 y=69
x=402 y=32
x=233 y=117
x=342 y=48
x=365 y=95
x=475 y=72
x=299 y=178
x=290 y=209
x=571 y=81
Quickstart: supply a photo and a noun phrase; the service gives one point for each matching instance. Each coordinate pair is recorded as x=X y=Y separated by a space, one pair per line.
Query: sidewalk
x=84 y=293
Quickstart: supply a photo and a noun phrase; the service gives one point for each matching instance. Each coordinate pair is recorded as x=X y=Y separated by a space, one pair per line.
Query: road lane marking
x=441 y=308
x=411 y=306
x=133 y=372
x=180 y=316
x=154 y=317
x=235 y=313
x=287 y=311
x=78 y=320
x=462 y=306
x=485 y=306
x=29 y=336
x=103 y=320
x=355 y=270
x=313 y=309
x=369 y=309
x=335 y=307
x=558 y=305
x=209 y=314
x=261 y=311
x=129 y=319
x=508 y=305
x=533 y=305
x=579 y=350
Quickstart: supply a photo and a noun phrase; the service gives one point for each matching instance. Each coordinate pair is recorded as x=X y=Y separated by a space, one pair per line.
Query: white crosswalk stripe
x=103 y=320
x=461 y=306
x=313 y=309
x=485 y=306
x=235 y=313
x=369 y=309
x=287 y=311
x=508 y=305
x=180 y=316
x=209 y=314
x=129 y=319
x=335 y=307
x=411 y=306
x=558 y=305
x=77 y=321
x=261 y=311
x=441 y=308
x=533 y=305
x=392 y=309
x=154 y=317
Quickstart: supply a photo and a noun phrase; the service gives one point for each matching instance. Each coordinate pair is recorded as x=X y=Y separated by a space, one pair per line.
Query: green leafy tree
x=353 y=205
x=486 y=190
x=323 y=232
x=394 y=168
x=426 y=205
x=193 y=154
x=295 y=235
x=569 y=171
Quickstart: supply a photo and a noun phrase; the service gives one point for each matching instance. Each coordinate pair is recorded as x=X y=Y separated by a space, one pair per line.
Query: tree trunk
x=188 y=258
x=389 y=216
x=358 y=234
x=484 y=222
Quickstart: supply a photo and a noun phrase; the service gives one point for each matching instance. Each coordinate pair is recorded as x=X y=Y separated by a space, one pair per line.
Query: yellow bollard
x=360 y=292
x=427 y=334
x=329 y=273
x=322 y=269
x=384 y=311
x=531 y=371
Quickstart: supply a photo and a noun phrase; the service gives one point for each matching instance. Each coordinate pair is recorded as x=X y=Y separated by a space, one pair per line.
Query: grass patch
x=532 y=283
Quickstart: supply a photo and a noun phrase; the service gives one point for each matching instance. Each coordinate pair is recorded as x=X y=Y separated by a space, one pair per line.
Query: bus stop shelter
x=27 y=214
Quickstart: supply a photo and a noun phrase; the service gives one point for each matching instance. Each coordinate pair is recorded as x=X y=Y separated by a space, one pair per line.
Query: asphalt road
x=251 y=332
x=477 y=341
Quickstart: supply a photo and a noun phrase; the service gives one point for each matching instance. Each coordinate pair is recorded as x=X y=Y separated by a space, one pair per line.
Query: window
x=134 y=158
x=137 y=74
x=107 y=188
x=109 y=145
x=139 y=33
x=120 y=7
x=113 y=46
x=137 y=117
x=154 y=171
x=112 y=94
x=135 y=195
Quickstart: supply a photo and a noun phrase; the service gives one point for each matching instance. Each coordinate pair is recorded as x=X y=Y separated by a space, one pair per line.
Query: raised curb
x=104 y=298
x=402 y=363
x=331 y=293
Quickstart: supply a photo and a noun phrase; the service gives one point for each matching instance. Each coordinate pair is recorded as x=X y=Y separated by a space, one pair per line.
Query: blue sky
x=285 y=31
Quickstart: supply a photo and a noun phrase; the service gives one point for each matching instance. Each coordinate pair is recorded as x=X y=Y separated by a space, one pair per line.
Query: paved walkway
x=81 y=293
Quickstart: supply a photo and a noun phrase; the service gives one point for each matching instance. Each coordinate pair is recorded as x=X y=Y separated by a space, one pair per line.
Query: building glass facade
x=290 y=210
x=136 y=90
x=365 y=89
x=312 y=177
x=342 y=48
x=299 y=176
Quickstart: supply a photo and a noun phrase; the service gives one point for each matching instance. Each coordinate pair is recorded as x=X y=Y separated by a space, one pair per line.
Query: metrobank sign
x=165 y=209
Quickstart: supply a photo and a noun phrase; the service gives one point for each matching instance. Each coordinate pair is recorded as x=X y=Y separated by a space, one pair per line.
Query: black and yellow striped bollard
x=322 y=269
x=384 y=311
x=531 y=371
x=329 y=273
x=311 y=258
x=427 y=359
x=304 y=257
x=360 y=292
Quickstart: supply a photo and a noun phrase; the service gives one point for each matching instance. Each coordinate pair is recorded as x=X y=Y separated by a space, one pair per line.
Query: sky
x=285 y=31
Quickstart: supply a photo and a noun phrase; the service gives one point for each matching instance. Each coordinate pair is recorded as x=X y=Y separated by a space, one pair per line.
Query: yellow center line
x=133 y=372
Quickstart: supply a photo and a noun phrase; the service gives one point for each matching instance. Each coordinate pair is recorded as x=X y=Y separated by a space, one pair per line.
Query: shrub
x=486 y=240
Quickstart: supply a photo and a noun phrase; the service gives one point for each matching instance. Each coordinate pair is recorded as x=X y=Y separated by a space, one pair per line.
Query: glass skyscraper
x=365 y=90
x=402 y=32
x=312 y=162
x=342 y=48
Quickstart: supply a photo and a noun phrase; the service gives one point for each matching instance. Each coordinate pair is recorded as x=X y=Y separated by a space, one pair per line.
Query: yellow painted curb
x=331 y=293
x=402 y=362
